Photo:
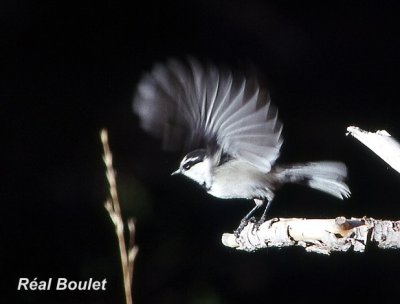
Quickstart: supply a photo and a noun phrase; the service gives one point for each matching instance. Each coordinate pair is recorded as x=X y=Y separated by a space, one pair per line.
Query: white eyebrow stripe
x=192 y=159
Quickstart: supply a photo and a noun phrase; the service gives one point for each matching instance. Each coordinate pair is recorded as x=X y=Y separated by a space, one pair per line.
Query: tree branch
x=318 y=235
x=380 y=142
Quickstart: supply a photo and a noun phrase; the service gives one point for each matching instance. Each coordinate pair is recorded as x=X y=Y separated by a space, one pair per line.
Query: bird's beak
x=176 y=172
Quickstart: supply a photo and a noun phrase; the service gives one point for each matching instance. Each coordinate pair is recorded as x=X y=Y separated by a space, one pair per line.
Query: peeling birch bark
x=381 y=143
x=318 y=235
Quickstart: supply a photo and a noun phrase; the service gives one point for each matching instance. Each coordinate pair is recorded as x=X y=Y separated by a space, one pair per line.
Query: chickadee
x=232 y=131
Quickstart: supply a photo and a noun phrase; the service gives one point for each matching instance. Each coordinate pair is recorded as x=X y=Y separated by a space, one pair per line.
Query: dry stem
x=114 y=210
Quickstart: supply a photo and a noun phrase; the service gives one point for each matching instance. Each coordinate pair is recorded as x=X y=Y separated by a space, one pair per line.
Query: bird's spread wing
x=188 y=105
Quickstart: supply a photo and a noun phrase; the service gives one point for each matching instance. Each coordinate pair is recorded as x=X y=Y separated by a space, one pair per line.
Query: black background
x=69 y=69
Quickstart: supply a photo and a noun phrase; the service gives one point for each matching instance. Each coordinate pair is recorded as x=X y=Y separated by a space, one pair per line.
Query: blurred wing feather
x=188 y=105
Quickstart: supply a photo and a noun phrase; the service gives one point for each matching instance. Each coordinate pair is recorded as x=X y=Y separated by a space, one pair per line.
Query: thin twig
x=113 y=208
x=133 y=249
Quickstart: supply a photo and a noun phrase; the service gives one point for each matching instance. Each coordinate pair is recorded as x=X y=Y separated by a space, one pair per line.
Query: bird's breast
x=239 y=180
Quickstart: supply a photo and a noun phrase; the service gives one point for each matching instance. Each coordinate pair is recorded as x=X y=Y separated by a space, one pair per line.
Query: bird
x=225 y=123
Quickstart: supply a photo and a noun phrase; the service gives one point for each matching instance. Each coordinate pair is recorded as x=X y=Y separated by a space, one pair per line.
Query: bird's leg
x=246 y=219
x=268 y=198
x=264 y=215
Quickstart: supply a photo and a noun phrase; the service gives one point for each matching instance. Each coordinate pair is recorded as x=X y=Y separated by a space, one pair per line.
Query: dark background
x=69 y=69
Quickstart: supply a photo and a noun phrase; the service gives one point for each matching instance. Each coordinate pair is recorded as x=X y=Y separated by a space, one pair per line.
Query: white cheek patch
x=201 y=173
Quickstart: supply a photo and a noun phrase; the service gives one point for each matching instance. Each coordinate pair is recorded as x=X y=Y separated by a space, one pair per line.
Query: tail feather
x=326 y=176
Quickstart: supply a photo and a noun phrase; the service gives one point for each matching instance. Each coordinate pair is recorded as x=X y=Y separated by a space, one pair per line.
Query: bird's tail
x=326 y=176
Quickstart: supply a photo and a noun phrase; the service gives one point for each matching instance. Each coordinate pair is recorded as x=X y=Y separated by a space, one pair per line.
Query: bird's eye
x=187 y=166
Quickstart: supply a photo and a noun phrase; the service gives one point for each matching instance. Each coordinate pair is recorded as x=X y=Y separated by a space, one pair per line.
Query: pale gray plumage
x=327 y=176
x=233 y=131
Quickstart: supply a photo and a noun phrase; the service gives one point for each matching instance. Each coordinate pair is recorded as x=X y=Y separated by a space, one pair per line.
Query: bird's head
x=197 y=166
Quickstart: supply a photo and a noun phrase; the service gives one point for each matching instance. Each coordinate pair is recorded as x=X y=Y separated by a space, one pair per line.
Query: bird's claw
x=257 y=224
x=261 y=221
x=243 y=223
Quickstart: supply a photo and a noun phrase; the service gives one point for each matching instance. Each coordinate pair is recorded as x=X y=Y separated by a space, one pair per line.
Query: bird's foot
x=243 y=223
x=261 y=221
x=258 y=223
